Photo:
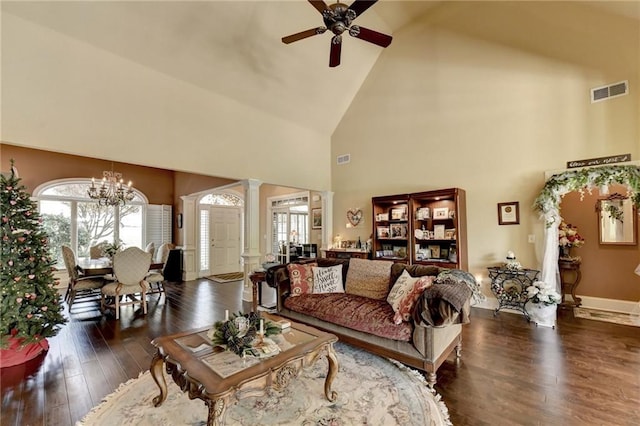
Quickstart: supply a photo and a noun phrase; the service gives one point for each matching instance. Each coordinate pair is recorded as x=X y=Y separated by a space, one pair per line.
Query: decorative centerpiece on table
x=512 y=263
x=245 y=333
x=544 y=299
x=31 y=309
x=568 y=238
x=110 y=249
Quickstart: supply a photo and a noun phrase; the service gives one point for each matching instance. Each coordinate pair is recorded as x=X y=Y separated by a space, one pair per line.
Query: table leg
x=156 y=372
x=255 y=296
x=331 y=374
x=217 y=410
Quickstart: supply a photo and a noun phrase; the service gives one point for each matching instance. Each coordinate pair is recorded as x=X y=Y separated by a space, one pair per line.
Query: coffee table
x=218 y=377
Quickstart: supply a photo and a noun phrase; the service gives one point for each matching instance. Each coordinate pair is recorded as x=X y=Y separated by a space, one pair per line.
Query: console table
x=346 y=254
x=570 y=277
x=510 y=287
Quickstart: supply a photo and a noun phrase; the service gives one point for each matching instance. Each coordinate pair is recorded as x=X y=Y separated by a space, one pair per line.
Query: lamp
x=112 y=191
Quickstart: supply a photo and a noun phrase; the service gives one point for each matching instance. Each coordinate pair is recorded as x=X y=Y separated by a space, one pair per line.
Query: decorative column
x=327 y=219
x=189 y=271
x=251 y=245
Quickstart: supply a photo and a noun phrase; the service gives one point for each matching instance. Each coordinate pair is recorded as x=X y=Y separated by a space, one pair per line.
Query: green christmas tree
x=30 y=305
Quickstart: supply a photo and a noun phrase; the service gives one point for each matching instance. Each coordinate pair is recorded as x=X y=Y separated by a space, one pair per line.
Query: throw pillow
x=458 y=276
x=368 y=278
x=405 y=293
x=301 y=277
x=327 y=280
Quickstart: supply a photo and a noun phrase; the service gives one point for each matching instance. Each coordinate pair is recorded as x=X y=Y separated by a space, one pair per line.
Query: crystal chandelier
x=112 y=191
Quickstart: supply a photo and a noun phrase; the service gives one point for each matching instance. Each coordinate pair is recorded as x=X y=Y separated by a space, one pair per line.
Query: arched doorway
x=220 y=232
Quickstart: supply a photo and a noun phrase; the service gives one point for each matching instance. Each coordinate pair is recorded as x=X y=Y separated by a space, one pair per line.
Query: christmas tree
x=30 y=308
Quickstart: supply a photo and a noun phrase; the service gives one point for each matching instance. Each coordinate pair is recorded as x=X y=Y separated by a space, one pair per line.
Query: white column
x=327 y=219
x=189 y=228
x=251 y=253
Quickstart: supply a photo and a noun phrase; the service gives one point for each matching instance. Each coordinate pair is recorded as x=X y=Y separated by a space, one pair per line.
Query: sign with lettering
x=599 y=161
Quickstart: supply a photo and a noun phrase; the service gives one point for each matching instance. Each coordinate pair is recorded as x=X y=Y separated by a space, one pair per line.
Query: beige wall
x=486 y=97
x=51 y=100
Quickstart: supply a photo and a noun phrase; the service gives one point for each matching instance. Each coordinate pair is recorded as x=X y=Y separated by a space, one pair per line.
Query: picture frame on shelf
x=423 y=213
x=450 y=234
x=399 y=252
x=382 y=231
x=509 y=213
x=398 y=230
x=316 y=218
x=444 y=253
x=382 y=217
x=441 y=213
x=438 y=232
x=435 y=252
x=399 y=213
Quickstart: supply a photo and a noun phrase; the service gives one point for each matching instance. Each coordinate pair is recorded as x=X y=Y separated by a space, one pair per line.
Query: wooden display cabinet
x=438 y=228
x=391 y=228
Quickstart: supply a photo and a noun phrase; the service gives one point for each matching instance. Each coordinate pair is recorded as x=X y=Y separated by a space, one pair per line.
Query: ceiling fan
x=337 y=19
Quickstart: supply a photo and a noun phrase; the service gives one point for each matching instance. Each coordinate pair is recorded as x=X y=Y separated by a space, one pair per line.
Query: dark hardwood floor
x=511 y=373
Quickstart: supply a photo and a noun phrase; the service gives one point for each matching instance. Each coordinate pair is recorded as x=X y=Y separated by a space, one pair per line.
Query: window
x=71 y=218
x=289 y=225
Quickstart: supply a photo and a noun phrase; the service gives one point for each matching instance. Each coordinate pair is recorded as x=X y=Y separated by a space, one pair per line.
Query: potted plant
x=110 y=249
x=544 y=300
x=30 y=307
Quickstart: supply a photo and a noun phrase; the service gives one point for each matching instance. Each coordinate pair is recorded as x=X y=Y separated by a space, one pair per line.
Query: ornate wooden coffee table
x=217 y=376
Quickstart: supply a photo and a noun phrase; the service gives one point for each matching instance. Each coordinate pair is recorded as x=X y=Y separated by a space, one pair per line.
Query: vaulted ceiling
x=234 y=48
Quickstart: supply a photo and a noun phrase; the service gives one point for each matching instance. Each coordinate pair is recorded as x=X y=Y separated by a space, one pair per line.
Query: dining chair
x=78 y=286
x=130 y=266
x=156 y=276
x=97 y=251
x=151 y=248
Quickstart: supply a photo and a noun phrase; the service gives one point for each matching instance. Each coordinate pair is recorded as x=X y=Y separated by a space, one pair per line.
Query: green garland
x=548 y=202
x=239 y=332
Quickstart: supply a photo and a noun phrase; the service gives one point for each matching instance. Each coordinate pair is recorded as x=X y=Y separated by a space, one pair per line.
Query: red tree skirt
x=15 y=355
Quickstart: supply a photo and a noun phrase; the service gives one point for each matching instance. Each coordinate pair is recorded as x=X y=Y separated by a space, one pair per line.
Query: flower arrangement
x=110 y=249
x=541 y=292
x=568 y=236
x=240 y=332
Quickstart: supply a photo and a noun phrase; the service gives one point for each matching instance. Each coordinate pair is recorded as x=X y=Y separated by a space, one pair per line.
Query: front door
x=224 y=226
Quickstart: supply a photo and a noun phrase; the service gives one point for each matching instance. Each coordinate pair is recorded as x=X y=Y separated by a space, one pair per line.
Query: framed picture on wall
x=509 y=213
x=316 y=218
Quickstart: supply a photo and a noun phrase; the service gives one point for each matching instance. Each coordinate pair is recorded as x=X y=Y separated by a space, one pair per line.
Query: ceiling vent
x=610 y=91
x=344 y=159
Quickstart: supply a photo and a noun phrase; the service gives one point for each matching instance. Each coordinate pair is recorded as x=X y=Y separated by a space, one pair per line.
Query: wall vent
x=610 y=91
x=344 y=159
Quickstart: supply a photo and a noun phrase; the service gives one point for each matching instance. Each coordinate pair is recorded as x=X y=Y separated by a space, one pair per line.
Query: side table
x=257 y=278
x=510 y=287
x=570 y=277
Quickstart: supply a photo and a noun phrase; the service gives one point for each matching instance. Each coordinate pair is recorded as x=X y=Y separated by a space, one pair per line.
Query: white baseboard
x=612 y=305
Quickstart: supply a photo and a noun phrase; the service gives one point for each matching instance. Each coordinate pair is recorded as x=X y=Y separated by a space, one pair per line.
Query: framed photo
x=398 y=230
x=435 y=252
x=509 y=213
x=316 y=218
x=450 y=234
x=382 y=231
x=399 y=213
x=382 y=217
x=441 y=213
x=439 y=232
x=444 y=253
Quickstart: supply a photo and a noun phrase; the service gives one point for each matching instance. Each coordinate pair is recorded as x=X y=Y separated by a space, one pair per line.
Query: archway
x=548 y=204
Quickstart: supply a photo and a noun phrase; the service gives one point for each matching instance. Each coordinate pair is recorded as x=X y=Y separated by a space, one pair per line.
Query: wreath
x=240 y=331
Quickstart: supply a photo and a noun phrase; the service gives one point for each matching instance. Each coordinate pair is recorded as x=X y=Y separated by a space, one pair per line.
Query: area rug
x=606 y=316
x=371 y=391
x=225 y=278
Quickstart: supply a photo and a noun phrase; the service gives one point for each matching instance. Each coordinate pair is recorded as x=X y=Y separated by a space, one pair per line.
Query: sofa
x=360 y=314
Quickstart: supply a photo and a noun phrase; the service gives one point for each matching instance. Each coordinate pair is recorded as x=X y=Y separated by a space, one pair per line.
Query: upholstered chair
x=151 y=248
x=156 y=276
x=97 y=251
x=130 y=267
x=78 y=286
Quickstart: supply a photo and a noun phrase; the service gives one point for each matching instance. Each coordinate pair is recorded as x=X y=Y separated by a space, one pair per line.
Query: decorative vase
x=542 y=315
x=16 y=354
x=565 y=252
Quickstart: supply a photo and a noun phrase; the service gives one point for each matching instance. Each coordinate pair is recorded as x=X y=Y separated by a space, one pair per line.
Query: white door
x=224 y=231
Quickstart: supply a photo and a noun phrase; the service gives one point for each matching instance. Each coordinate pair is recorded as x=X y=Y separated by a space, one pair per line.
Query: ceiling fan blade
x=359 y=6
x=336 y=48
x=304 y=34
x=370 y=36
x=320 y=5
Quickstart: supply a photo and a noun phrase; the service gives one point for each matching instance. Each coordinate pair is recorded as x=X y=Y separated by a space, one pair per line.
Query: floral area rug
x=371 y=391
x=226 y=278
x=606 y=316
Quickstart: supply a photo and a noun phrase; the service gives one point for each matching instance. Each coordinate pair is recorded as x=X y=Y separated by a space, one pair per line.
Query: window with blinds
x=158 y=224
x=204 y=240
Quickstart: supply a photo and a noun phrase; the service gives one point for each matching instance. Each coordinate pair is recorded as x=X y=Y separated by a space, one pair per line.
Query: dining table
x=103 y=266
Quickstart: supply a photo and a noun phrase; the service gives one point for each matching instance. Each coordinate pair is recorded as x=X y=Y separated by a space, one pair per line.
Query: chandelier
x=112 y=191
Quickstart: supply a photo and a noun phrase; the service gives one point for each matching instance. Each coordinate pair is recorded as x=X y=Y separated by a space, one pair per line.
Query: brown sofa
x=424 y=343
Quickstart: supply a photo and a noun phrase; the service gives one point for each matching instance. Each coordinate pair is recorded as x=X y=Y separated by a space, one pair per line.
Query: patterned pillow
x=327 y=280
x=405 y=293
x=368 y=278
x=301 y=277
